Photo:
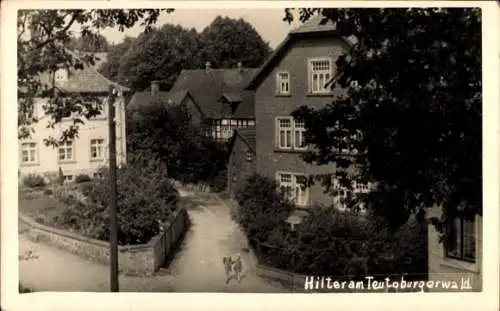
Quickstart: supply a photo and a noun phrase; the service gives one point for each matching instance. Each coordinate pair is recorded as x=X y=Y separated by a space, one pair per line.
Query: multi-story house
x=86 y=153
x=221 y=98
x=296 y=74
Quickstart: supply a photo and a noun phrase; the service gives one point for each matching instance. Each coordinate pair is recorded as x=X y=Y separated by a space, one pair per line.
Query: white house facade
x=87 y=152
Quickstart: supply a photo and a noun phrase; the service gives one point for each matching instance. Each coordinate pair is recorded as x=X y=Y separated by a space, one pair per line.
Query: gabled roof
x=247 y=135
x=146 y=98
x=208 y=86
x=314 y=27
x=86 y=80
x=315 y=24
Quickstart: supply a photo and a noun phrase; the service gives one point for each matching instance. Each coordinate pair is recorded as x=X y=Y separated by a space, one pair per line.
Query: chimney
x=240 y=67
x=155 y=87
x=207 y=66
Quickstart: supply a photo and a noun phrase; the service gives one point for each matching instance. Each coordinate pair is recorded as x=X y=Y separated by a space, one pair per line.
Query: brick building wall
x=268 y=106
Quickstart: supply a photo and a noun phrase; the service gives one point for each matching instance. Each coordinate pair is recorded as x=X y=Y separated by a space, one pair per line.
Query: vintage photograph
x=266 y=150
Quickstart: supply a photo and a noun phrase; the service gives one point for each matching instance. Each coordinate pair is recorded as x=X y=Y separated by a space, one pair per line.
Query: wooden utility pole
x=113 y=230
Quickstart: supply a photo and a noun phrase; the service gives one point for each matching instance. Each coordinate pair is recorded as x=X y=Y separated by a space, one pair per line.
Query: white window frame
x=283 y=83
x=32 y=150
x=357 y=188
x=94 y=144
x=249 y=155
x=294 y=186
x=293 y=130
x=61 y=74
x=314 y=87
x=65 y=146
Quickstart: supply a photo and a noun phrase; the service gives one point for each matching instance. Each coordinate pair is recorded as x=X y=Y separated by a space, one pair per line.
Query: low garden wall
x=142 y=259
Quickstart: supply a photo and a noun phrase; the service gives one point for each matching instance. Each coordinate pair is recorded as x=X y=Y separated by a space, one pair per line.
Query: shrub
x=145 y=199
x=48 y=191
x=261 y=207
x=346 y=245
x=219 y=182
x=408 y=249
x=167 y=132
x=34 y=181
x=82 y=178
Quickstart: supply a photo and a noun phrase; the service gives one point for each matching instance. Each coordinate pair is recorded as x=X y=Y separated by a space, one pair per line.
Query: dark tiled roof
x=208 y=86
x=247 y=134
x=234 y=97
x=312 y=28
x=141 y=99
x=87 y=80
x=315 y=24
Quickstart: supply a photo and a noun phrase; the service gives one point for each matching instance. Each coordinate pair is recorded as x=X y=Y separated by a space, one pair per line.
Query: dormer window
x=61 y=74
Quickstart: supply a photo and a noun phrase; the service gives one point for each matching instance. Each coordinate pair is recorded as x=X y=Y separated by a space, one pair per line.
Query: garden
x=327 y=242
x=146 y=199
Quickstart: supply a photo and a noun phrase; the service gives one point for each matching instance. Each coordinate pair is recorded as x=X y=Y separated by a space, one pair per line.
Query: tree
x=168 y=133
x=159 y=55
x=226 y=41
x=412 y=108
x=42 y=38
x=115 y=53
x=90 y=43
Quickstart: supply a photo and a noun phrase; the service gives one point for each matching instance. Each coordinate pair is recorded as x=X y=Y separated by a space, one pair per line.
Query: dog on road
x=232 y=267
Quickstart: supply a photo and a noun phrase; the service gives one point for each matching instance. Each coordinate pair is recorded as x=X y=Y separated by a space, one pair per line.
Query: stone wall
x=142 y=259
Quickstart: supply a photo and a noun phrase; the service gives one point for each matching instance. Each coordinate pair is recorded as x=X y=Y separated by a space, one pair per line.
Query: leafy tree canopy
x=160 y=54
x=115 y=52
x=42 y=38
x=163 y=53
x=226 y=41
x=412 y=108
x=90 y=43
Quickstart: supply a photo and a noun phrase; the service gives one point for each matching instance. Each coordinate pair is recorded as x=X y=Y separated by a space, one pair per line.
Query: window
x=340 y=196
x=294 y=187
x=283 y=83
x=360 y=187
x=97 y=149
x=66 y=151
x=249 y=155
x=462 y=239
x=285 y=133
x=320 y=73
x=68 y=178
x=299 y=130
x=290 y=133
x=61 y=74
x=28 y=153
x=343 y=192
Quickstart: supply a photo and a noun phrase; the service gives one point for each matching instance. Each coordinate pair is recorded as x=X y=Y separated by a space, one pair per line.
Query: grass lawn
x=40 y=206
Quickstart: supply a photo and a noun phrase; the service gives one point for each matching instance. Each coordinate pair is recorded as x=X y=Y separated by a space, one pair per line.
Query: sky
x=267 y=22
